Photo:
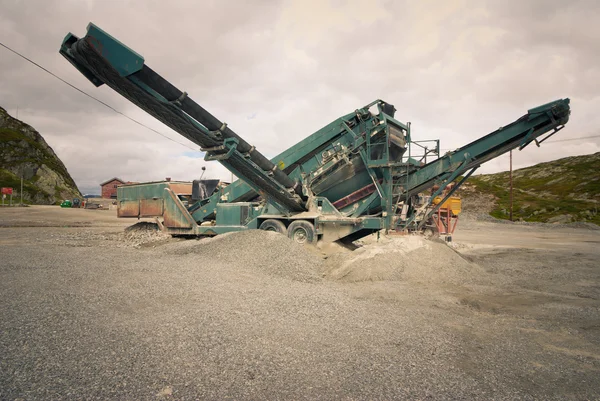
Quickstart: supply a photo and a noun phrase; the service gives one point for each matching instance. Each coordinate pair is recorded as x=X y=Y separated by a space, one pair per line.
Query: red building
x=109 y=188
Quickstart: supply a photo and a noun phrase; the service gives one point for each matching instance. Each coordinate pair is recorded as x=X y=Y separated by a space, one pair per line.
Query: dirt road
x=88 y=311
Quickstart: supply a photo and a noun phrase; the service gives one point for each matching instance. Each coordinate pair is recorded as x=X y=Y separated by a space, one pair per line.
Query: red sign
x=7 y=191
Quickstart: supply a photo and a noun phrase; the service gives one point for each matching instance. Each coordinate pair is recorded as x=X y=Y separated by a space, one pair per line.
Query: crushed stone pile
x=258 y=251
x=142 y=233
x=409 y=258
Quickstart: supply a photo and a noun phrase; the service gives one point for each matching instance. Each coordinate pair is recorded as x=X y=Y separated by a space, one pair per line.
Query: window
x=114 y=186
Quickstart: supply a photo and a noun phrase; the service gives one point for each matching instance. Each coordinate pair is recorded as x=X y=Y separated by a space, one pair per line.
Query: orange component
x=453 y=204
x=445 y=221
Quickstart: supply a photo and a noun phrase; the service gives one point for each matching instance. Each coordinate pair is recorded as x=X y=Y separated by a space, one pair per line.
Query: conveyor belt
x=104 y=59
x=537 y=122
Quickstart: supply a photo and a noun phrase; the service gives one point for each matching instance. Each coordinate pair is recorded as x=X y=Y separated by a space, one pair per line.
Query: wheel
x=302 y=232
x=273 y=225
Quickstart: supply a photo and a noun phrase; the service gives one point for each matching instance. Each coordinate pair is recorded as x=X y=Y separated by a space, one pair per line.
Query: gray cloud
x=456 y=69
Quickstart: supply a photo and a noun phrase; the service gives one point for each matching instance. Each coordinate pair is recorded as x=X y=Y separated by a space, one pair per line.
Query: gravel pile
x=409 y=258
x=263 y=251
x=142 y=233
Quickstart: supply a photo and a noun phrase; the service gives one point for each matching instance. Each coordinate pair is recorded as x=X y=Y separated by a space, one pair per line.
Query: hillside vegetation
x=560 y=191
x=24 y=151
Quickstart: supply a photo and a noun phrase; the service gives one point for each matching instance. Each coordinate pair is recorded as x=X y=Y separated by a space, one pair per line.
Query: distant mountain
x=24 y=150
x=562 y=191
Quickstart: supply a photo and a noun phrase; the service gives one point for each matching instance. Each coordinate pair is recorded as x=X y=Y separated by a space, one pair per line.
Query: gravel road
x=89 y=311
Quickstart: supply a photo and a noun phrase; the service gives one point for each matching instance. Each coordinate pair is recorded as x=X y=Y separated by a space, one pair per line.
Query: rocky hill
x=561 y=191
x=24 y=150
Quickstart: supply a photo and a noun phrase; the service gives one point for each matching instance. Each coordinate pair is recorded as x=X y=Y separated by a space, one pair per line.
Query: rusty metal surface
x=355 y=196
x=445 y=220
x=171 y=220
x=128 y=208
x=151 y=207
x=181 y=188
x=175 y=215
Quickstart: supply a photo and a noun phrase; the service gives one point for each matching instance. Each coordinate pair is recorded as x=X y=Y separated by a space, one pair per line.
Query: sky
x=277 y=71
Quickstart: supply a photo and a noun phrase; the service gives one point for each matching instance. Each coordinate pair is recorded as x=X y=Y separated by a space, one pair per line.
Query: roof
x=113 y=179
x=159 y=182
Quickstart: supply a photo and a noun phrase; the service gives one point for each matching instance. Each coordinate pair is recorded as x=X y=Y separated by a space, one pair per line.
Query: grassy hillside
x=562 y=190
x=24 y=151
x=24 y=154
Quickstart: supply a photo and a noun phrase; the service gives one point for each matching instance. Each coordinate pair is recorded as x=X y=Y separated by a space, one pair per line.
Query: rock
x=23 y=151
x=563 y=218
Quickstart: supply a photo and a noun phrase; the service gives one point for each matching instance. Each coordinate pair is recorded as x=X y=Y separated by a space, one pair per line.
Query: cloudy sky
x=278 y=71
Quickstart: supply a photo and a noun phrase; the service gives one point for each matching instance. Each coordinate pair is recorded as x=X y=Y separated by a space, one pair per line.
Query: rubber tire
x=273 y=225
x=302 y=229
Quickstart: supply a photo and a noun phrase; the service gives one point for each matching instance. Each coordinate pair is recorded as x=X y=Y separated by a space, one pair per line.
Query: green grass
x=8 y=135
x=564 y=186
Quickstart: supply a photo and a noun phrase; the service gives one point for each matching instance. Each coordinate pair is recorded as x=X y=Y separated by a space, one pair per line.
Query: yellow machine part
x=453 y=203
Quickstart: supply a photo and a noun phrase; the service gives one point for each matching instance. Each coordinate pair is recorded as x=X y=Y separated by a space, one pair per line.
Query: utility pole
x=511 y=188
x=22 y=172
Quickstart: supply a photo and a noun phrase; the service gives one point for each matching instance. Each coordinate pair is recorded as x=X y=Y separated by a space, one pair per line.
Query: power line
x=559 y=140
x=574 y=139
x=163 y=135
x=95 y=98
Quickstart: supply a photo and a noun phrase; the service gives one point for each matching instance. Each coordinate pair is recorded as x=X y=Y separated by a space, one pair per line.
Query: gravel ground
x=91 y=311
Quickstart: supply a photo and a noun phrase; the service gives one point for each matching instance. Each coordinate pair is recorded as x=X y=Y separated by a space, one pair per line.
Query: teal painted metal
x=236 y=214
x=356 y=175
x=121 y=57
x=174 y=108
x=542 y=120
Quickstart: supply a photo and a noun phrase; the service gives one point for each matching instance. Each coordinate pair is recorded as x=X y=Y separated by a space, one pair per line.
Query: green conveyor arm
x=105 y=60
x=548 y=118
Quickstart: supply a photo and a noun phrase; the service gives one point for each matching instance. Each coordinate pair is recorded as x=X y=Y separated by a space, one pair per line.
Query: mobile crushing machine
x=357 y=175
